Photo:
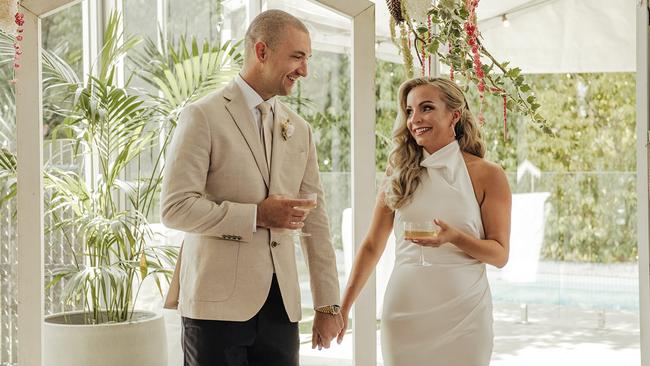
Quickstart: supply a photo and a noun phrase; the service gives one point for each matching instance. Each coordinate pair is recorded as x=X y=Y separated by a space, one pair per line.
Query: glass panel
x=140 y=18
x=216 y=21
x=569 y=293
x=61 y=36
x=323 y=100
x=207 y=19
x=388 y=77
x=573 y=267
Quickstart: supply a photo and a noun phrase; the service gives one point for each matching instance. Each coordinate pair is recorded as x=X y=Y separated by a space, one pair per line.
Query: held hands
x=326 y=327
x=447 y=234
x=344 y=315
x=280 y=212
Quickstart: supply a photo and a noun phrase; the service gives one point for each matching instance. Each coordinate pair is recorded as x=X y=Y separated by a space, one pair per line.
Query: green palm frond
x=186 y=73
x=7 y=111
x=8 y=174
x=7 y=137
x=6 y=49
x=57 y=72
x=116 y=45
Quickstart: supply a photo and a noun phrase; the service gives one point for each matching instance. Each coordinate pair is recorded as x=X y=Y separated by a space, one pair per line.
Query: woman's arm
x=495 y=212
x=366 y=259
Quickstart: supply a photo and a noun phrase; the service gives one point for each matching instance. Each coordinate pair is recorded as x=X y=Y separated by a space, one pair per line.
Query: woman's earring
x=453 y=130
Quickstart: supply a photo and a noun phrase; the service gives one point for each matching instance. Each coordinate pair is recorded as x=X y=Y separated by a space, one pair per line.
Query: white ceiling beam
x=348 y=8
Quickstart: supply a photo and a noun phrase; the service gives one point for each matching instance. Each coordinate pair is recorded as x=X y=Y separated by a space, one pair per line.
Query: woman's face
x=428 y=119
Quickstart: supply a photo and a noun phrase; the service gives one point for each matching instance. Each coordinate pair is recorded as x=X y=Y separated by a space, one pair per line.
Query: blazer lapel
x=244 y=121
x=279 y=145
x=279 y=142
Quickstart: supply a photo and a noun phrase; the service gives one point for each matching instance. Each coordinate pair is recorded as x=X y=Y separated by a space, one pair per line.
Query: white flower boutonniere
x=287 y=129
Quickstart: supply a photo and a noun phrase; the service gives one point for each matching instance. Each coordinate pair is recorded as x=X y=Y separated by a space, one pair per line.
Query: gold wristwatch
x=329 y=309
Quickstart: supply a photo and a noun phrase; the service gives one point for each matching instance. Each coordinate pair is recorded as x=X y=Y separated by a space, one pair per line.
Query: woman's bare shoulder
x=483 y=170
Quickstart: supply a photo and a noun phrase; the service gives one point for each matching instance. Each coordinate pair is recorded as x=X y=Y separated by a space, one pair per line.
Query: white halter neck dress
x=441 y=314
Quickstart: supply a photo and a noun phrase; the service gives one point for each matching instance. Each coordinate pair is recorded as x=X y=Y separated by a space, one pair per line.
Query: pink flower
x=20 y=19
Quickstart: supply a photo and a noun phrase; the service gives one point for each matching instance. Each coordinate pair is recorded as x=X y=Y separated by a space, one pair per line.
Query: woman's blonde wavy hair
x=403 y=174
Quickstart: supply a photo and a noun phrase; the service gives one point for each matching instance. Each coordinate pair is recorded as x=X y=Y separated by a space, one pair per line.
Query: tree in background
x=589 y=166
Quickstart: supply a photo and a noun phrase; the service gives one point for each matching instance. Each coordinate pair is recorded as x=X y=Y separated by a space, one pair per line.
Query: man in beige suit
x=238 y=160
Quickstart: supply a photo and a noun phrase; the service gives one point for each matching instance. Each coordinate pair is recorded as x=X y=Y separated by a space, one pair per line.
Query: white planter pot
x=140 y=342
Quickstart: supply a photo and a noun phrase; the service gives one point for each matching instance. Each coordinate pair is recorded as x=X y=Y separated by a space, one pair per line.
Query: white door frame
x=29 y=200
x=363 y=165
x=643 y=197
x=362 y=14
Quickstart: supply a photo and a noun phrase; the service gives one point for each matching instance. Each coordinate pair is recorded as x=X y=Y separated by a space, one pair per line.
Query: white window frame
x=29 y=200
x=643 y=197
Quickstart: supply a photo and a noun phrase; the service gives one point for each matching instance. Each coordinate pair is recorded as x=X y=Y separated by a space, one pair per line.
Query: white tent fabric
x=548 y=36
x=558 y=36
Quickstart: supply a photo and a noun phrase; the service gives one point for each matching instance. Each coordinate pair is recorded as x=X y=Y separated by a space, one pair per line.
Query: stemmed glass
x=313 y=198
x=414 y=230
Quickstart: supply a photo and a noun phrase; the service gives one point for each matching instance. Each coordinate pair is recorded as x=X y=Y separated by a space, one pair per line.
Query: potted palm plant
x=122 y=135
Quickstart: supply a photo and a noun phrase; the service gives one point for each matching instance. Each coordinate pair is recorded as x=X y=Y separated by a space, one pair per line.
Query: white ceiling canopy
x=558 y=36
x=544 y=36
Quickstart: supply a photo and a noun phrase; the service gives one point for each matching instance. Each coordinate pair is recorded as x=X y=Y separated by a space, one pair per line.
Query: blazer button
x=274 y=244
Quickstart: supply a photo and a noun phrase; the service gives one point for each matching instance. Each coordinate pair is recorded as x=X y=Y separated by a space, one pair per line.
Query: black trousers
x=267 y=339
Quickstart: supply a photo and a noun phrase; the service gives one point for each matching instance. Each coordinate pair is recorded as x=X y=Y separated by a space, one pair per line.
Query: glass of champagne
x=414 y=230
x=313 y=198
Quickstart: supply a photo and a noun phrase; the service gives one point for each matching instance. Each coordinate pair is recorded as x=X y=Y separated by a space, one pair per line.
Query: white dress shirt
x=252 y=100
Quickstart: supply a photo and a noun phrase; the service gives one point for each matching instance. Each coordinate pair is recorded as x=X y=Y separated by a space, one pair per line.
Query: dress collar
x=446 y=160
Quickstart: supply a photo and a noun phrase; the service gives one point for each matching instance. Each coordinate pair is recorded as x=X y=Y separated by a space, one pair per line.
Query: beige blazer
x=215 y=175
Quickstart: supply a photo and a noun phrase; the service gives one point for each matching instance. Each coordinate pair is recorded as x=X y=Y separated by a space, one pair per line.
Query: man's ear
x=261 y=51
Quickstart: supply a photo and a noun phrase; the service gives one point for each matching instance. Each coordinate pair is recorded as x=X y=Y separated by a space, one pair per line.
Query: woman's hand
x=447 y=234
x=345 y=312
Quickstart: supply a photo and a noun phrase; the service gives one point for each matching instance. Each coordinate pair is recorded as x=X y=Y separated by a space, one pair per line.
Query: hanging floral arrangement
x=11 y=23
x=448 y=30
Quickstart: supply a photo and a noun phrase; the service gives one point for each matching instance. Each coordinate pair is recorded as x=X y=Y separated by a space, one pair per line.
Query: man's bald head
x=269 y=27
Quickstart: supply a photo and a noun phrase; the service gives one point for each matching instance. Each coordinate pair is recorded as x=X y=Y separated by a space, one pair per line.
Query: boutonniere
x=287 y=129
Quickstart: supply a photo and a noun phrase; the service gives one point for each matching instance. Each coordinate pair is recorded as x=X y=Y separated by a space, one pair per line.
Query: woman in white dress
x=438 y=308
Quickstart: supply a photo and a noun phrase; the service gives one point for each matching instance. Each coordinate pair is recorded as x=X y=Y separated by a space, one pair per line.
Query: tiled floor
x=553 y=336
